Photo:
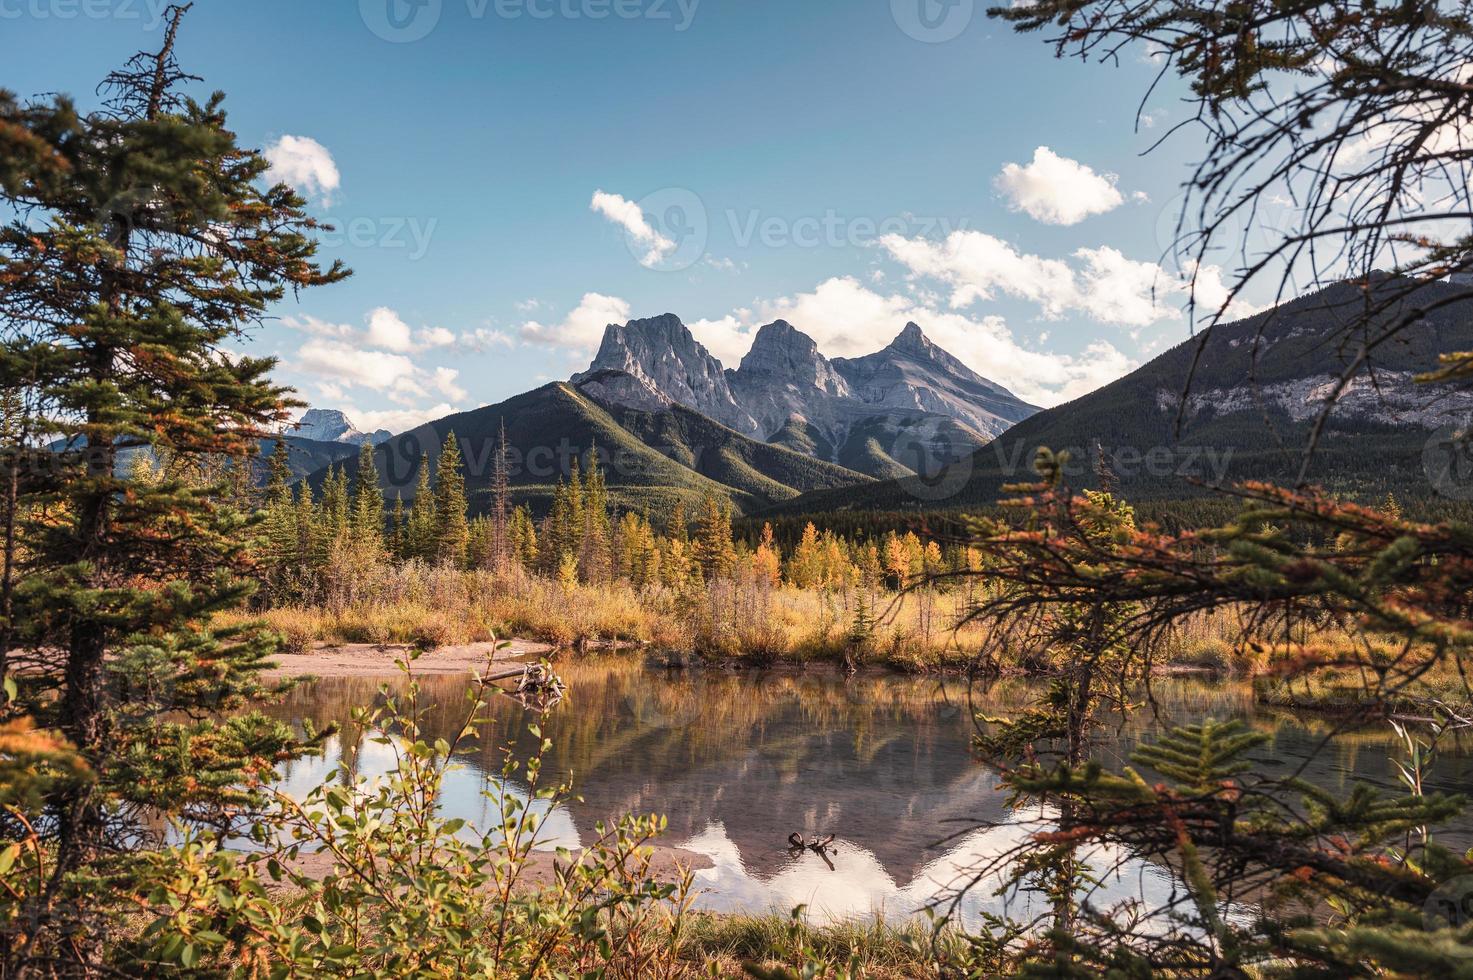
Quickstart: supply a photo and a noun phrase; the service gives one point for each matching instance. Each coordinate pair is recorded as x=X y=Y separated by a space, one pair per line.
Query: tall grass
x=742 y=619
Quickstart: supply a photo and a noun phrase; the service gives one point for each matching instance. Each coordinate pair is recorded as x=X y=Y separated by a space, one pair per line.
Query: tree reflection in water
x=738 y=762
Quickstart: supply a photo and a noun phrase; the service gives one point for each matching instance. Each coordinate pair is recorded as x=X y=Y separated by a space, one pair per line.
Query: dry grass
x=730 y=620
x=869 y=948
x=742 y=620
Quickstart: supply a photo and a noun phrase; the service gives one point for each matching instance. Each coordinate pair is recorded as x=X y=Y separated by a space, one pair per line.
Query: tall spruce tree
x=368 y=502
x=144 y=246
x=499 y=542
x=419 y=532
x=451 y=532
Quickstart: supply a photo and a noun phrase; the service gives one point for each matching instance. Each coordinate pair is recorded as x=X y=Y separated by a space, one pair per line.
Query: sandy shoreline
x=370 y=659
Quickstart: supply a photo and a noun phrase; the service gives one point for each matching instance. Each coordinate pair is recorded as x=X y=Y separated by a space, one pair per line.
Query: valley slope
x=1258 y=386
x=651 y=459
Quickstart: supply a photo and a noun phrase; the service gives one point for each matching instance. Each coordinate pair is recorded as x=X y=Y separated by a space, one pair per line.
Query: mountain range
x=330 y=425
x=1257 y=387
x=906 y=408
x=911 y=427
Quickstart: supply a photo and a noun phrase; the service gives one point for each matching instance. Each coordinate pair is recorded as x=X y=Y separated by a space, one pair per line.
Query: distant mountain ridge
x=1259 y=385
x=652 y=458
x=907 y=407
x=331 y=425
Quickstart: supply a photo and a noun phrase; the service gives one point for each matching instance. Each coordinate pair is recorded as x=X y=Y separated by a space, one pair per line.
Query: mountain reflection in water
x=737 y=762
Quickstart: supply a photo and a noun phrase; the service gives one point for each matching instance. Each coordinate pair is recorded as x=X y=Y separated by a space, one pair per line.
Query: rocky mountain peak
x=912 y=340
x=661 y=354
x=331 y=425
x=786 y=355
x=785 y=384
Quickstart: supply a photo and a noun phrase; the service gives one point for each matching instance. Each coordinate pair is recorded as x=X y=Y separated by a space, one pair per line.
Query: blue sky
x=509 y=175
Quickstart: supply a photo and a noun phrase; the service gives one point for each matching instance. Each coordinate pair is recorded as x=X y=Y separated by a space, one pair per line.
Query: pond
x=738 y=761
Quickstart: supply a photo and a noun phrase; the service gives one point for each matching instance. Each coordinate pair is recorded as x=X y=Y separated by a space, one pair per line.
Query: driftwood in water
x=822 y=846
x=535 y=683
x=506 y=674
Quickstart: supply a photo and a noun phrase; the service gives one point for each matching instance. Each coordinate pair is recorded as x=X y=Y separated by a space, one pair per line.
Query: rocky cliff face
x=784 y=375
x=785 y=391
x=913 y=373
x=667 y=363
x=330 y=425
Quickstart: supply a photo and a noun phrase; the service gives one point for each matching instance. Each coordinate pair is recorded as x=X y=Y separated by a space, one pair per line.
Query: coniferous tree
x=593 y=548
x=367 y=523
x=499 y=542
x=279 y=544
x=397 y=520
x=419 y=536
x=148 y=247
x=523 y=534
x=332 y=514
x=451 y=532
x=713 y=547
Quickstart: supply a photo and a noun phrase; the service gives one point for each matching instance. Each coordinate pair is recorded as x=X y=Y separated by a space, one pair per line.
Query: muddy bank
x=371 y=659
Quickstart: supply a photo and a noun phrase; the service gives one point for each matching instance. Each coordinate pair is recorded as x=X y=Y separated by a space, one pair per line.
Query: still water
x=738 y=761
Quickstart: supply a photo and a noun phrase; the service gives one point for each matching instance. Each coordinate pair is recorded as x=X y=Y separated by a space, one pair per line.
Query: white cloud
x=318 y=328
x=348 y=364
x=729 y=337
x=387 y=330
x=583 y=328
x=1115 y=289
x=443 y=381
x=1100 y=282
x=978 y=265
x=1057 y=190
x=377 y=358
x=305 y=164
x=627 y=215
x=484 y=338
x=434 y=337
x=397 y=420
x=848 y=319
